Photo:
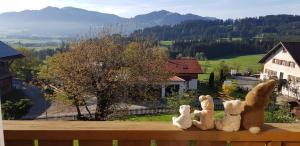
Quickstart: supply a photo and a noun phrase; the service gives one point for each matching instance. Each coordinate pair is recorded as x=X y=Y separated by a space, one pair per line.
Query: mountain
x=270 y=27
x=70 y=21
x=164 y=17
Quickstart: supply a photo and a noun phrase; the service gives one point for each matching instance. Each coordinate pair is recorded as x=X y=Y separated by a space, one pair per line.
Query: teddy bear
x=184 y=121
x=232 y=118
x=205 y=117
x=255 y=102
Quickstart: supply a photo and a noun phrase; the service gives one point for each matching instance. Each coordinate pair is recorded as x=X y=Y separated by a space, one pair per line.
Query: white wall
x=182 y=87
x=287 y=70
x=193 y=84
x=281 y=68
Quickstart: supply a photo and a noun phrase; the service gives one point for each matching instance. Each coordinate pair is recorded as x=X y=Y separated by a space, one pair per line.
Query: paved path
x=246 y=83
x=42 y=108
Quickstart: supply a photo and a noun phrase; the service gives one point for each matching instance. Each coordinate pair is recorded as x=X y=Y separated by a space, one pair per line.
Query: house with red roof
x=185 y=77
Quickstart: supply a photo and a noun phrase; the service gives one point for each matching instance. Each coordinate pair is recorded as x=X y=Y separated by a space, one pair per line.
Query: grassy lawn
x=248 y=61
x=163 y=117
x=166 y=43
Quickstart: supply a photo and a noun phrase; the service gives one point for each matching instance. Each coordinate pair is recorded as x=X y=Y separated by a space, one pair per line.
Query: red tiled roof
x=184 y=66
x=176 y=79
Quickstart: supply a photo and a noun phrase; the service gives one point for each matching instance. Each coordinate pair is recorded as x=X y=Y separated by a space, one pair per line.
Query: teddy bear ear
x=202 y=97
x=226 y=103
x=208 y=97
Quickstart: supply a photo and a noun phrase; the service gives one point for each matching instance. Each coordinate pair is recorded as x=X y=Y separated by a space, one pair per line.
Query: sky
x=222 y=9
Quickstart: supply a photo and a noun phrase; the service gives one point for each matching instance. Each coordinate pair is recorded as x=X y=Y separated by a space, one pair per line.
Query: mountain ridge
x=71 y=21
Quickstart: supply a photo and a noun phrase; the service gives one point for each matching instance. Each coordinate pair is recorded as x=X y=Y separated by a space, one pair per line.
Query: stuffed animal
x=184 y=121
x=256 y=101
x=205 y=118
x=232 y=119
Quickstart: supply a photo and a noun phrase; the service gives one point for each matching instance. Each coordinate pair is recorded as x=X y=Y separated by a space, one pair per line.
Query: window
x=270 y=72
x=293 y=79
x=292 y=64
x=284 y=63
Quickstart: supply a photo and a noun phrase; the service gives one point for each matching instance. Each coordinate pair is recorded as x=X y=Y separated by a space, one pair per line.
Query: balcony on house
x=113 y=133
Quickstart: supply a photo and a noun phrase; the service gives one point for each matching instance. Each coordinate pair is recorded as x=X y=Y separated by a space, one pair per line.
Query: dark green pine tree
x=211 y=81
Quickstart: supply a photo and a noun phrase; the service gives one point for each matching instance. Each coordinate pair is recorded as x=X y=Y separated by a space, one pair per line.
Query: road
x=246 y=83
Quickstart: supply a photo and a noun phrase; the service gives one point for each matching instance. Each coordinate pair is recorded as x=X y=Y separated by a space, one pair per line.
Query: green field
x=164 y=117
x=248 y=61
x=166 y=43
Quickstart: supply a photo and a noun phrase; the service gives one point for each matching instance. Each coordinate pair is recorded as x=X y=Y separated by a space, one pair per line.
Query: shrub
x=15 y=104
x=228 y=89
x=15 y=109
x=174 y=102
x=281 y=115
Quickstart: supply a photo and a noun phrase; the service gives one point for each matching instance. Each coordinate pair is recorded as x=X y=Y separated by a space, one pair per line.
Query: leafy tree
x=200 y=56
x=26 y=67
x=179 y=56
x=108 y=68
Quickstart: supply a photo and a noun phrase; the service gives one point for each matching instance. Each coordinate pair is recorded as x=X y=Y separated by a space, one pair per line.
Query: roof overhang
x=273 y=50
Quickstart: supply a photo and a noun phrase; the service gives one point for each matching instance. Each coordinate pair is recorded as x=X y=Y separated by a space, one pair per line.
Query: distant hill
x=272 y=27
x=70 y=21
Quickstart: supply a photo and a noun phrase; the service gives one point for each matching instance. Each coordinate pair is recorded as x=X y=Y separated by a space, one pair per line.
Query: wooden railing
x=68 y=133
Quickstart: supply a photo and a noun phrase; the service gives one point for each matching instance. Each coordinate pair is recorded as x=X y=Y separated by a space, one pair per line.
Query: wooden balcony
x=68 y=133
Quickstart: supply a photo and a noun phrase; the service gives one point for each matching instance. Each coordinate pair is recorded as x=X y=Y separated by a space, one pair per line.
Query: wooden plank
x=94 y=130
x=291 y=143
x=19 y=143
x=248 y=143
x=55 y=143
x=274 y=143
x=172 y=143
x=95 y=143
x=211 y=143
x=133 y=143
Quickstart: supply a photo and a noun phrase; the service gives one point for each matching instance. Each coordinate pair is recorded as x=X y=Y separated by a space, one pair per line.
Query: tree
x=211 y=81
x=179 y=56
x=222 y=69
x=108 y=68
x=26 y=67
x=200 y=56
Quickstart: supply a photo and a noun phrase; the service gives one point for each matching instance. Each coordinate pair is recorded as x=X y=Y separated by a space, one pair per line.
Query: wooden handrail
x=140 y=131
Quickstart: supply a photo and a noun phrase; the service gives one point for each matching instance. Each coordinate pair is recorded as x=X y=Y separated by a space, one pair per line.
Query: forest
x=217 y=38
x=271 y=27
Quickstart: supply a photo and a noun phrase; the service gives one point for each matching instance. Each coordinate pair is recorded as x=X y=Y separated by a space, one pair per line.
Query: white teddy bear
x=205 y=117
x=232 y=119
x=184 y=121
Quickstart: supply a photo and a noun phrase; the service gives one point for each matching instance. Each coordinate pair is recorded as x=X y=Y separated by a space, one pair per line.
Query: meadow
x=244 y=63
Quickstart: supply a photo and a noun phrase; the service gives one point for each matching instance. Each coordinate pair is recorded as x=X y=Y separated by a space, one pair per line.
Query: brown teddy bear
x=256 y=101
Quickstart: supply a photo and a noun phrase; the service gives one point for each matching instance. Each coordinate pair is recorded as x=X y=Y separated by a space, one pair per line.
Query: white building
x=186 y=76
x=282 y=62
